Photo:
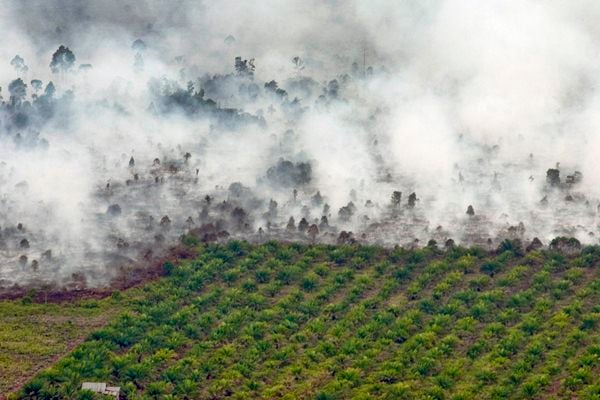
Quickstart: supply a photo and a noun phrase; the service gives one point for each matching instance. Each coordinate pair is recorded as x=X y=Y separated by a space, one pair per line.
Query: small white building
x=102 y=388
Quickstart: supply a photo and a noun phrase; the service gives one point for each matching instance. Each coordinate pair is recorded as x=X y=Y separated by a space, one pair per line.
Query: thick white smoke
x=460 y=102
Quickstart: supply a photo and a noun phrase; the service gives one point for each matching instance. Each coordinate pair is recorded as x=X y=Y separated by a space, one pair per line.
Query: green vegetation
x=32 y=336
x=323 y=322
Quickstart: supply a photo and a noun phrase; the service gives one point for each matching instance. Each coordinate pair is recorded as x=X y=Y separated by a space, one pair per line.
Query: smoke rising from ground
x=331 y=108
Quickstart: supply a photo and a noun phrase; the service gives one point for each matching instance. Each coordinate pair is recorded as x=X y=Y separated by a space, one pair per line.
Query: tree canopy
x=63 y=60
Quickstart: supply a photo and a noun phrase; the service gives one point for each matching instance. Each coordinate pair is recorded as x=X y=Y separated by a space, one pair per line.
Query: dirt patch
x=128 y=276
x=86 y=325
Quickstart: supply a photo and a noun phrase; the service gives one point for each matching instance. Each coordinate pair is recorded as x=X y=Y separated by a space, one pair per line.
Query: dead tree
x=412 y=200
x=313 y=231
x=291 y=225
x=396 y=198
x=303 y=225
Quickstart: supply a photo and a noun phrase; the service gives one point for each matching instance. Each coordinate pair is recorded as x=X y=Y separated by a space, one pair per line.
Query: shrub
x=491 y=267
x=465 y=264
x=33 y=388
x=262 y=276
x=190 y=240
x=231 y=275
x=249 y=286
x=168 y=268
x=86 y=395
x=288 y=274
x=309 y=282
x=323 y=395
x=589 y=322
x=515 y=247
x=322 y=270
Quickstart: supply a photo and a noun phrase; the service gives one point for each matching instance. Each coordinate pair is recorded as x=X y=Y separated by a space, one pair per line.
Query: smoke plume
x=320 y=121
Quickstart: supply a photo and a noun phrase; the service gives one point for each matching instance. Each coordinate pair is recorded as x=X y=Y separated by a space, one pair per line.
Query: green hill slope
x=34 y=336
x=323 y=322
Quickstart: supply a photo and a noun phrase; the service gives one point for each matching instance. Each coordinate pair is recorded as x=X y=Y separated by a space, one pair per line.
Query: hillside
x=35 y=335
x=290 y=321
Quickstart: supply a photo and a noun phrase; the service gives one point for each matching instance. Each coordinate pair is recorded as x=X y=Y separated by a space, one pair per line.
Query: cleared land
x=338 y=322
x=34 y=336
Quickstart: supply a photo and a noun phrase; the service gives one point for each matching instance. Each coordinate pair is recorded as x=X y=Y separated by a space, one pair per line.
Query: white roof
x=100 y=387
x=94 y=386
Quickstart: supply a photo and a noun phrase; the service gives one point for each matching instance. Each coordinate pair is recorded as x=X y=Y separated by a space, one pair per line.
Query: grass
x=33 y=336
x=324 y=322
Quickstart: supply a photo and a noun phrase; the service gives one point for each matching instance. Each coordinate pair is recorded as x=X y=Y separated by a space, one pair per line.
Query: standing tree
x=298 y=64
x=138 y=45
x=291 y=225
x=62 y=60
x=396 y=198
x=333 y=88
x=324 y=224
x=553 y=177
x=18 y=91
x=19 y=64
x=138 y=62
x=317 y=199
x=313 y=231
x=244 y=67
x=303 y=225
x=50 y=89
x=412 y=200
x=36 y=84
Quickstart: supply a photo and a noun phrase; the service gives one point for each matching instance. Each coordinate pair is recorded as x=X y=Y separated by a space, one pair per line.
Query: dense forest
x=290 y=321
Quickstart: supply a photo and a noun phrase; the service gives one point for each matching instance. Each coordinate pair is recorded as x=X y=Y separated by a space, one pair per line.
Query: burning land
x=301 y=185
x=92 y=186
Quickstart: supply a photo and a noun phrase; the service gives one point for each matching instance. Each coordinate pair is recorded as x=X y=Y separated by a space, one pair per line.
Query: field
x=33 y=336
x=291 y=321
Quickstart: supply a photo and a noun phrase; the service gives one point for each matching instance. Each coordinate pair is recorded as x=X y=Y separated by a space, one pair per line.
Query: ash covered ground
x=125 y=126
